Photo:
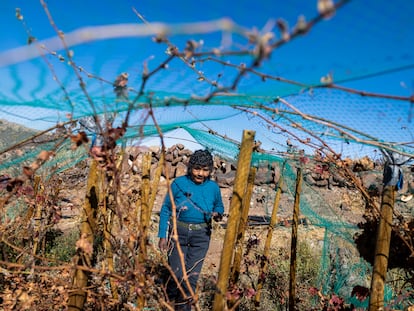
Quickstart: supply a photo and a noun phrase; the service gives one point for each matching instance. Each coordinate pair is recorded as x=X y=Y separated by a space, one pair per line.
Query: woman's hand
x=163 y=245
x=217 y=216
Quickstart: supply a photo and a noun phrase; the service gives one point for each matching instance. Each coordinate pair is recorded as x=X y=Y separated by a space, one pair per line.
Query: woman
x=197 y=199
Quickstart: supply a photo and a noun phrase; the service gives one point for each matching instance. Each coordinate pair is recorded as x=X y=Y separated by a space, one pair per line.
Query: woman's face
x=200 y=173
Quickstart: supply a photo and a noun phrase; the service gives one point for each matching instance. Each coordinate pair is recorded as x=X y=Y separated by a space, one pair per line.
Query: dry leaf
x=28 y=171
x=44 y=155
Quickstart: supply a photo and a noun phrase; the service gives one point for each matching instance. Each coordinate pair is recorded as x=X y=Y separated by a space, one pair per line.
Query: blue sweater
x=195 y=202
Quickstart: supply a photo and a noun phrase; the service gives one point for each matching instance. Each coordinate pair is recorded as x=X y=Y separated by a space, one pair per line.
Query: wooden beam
x=382 y=249
x=239 y=189
x=293 y=247
x=242 y=226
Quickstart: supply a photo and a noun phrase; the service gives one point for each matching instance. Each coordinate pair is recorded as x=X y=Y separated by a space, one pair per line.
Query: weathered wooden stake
x=239 y=188
x=265 y=258
x=77 y=296
x=145 y=207
x=107 y=231
x=145 y=221
x=155 y=182
x=293 y=248
x=109 y=199
x=382 y=249
x=38 y=190
x=242 y=226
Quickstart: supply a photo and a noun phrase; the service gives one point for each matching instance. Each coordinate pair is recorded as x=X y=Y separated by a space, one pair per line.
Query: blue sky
x=368 y=44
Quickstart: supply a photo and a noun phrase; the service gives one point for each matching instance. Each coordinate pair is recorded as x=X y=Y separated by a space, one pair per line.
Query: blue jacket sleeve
x=218 y=204
x=165 y=214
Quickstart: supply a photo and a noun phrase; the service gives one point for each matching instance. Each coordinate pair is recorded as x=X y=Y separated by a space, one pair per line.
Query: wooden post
x=382 y=249
x=145 y=221
x=293 y=248
x=155 y=182
x=77 y=295
x=107 y=231
x=265 y=258
x=145 y=207
x=38 y=190
x=242 y=226
x=108 y=199
x=239 y=188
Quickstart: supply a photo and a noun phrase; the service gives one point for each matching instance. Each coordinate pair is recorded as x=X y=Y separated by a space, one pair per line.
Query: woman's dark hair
x=200 y=158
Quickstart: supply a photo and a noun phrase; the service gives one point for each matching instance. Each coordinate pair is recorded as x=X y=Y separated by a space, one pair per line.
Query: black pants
x=194 y=244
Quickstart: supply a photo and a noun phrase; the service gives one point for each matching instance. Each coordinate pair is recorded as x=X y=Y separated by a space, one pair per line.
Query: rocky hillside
x=12 y=133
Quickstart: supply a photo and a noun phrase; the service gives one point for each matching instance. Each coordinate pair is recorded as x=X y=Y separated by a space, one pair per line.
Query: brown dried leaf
x=44 y=155
x=34 y=166
x=79 y=138
x=28 y=171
